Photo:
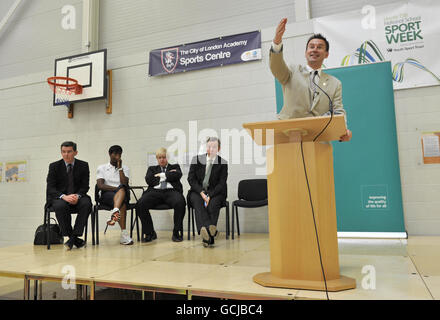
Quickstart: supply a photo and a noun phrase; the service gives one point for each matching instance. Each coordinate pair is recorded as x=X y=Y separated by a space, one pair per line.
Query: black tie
x=70 y=187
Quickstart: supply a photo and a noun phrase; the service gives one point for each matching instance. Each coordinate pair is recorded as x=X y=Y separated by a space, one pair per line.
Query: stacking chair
x=191 y=217
x=99 y=206
x=132 y=206
x=252 y=193
x=47 y=211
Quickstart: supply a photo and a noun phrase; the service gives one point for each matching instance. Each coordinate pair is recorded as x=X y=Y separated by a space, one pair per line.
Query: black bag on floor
x=55 y=234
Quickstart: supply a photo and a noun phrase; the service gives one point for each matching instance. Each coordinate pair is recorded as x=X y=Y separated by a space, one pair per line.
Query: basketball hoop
x=64 y=85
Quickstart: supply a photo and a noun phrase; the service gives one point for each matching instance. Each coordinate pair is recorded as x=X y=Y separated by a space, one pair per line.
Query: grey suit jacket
x=297 y=94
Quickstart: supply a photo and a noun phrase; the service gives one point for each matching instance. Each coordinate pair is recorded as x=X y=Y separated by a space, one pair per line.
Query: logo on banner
x=169 y=58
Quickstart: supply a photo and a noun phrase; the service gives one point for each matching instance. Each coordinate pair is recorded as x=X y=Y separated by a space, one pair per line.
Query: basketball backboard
x=90 y=70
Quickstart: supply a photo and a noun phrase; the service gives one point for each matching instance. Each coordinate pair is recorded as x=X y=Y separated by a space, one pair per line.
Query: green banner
x=367 y=175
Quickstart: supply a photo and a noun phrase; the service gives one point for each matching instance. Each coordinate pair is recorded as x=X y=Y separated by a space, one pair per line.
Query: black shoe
x=207 y=240
x=69 y=243
x=213 y=232
x=79 y=243
x=177 y=236
x=150 y=237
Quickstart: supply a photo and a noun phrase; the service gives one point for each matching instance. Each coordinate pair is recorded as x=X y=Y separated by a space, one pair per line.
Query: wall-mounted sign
x=431 y=147
x=216 y=52
x=15 y=171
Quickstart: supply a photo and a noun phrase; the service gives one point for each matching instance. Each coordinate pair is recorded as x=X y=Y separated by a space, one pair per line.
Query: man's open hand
x=280 y=31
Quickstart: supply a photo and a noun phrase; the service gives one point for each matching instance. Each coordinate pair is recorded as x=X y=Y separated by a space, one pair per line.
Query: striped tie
x=207 y=175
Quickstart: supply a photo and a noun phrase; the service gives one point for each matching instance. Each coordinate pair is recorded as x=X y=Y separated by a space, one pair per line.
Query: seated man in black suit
x=164 y=187
x=207 y=178
x=67 y=186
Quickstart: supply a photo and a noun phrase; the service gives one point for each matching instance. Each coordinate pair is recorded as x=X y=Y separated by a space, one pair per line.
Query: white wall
x=34 y=37
x=144 y=109
x=133 y=26
x=320 y=8
x=417 y=111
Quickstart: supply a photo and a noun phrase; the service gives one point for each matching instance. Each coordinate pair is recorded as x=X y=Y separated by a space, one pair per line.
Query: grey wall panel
x=130 y=26
x=320 y=8
x=34 y=37
x=5 y=5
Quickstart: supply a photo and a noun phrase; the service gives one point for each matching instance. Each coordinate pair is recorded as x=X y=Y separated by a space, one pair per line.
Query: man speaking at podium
x=301 y=84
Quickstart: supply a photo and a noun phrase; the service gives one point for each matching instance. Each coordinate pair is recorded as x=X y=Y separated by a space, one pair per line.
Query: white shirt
x=163 y=177
x=73 y=163
x=110 y=174
x=311 y=71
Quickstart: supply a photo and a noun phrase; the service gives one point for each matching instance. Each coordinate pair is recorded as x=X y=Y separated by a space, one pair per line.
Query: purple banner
x=216 y=52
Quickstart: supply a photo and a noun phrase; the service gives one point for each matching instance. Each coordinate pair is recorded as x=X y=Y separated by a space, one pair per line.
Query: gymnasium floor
x=393 y=269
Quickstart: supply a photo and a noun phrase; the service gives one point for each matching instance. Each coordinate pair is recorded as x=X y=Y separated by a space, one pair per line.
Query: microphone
x=330 y=105
x=329 y=99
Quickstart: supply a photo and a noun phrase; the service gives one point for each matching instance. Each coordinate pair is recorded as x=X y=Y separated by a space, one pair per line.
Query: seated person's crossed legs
x=112 y=180
x=207 y=216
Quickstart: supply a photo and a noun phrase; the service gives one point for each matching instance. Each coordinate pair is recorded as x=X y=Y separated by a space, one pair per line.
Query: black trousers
x=63 y=212
x=206 y=216
x=152 y=199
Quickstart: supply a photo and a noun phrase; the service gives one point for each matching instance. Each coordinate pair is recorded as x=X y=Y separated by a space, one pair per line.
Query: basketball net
x=64 y=87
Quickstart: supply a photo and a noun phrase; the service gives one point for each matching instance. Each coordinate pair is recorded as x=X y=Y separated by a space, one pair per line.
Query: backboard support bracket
x=70 y=111
x=108 y=101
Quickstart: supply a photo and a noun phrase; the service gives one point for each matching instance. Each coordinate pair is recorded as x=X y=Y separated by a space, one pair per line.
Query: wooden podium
x=294 y=255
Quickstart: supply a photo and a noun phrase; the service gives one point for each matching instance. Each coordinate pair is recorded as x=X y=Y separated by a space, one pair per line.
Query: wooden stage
x=403 y=269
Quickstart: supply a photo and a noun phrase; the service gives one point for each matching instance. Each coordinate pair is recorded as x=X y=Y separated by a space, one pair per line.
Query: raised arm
x=277 y=64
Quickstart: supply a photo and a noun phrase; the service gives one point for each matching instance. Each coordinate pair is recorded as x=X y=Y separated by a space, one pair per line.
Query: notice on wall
x=15 y=171
x=431 y=147
x=1 y=171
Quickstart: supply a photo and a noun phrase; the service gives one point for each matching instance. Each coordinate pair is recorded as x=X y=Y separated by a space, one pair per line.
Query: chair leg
x=189 y=223
x=105 y=230
x=238 y=222
x=193 y=223
x=93 y=225
x=227 y=222
x=131 y=223
x=85 y=237
x=47 y=224
x=233 y=219
x=97 y=226
x=137 y=227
